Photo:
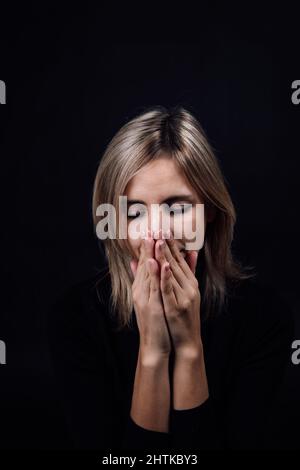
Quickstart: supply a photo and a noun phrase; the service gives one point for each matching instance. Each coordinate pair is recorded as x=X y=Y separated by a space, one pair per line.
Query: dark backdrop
x=73 y=77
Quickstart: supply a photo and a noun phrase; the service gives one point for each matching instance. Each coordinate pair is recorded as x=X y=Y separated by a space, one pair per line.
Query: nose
x=155 y=234
x=154 y=226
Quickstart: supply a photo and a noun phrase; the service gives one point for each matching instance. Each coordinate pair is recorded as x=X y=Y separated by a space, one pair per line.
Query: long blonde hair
x=178 y=134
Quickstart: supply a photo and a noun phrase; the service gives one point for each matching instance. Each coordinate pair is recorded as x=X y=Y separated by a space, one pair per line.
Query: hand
x=155 y=340
x=181 y=296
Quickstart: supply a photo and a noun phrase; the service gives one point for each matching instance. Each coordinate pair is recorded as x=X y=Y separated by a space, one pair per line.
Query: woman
x=168 y=348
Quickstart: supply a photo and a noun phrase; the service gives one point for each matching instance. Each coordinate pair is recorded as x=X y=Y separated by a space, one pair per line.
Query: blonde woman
x=167 y=347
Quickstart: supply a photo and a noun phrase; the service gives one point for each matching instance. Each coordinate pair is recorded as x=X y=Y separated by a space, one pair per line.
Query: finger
x=179 y=275
x=149 y=247
x=141 y=273
x=179 y=258
x=148 y=244
x=159 y=252
x=143 y=254
x=142 y=277
x=166 y=286
x=153 y=267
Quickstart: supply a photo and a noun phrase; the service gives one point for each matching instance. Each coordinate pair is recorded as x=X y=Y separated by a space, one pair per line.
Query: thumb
x=166 y=283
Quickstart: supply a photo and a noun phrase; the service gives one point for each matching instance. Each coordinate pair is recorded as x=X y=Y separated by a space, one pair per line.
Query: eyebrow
x=170 y=200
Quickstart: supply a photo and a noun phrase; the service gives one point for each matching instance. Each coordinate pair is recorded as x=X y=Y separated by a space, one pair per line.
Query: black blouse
x=246 y=350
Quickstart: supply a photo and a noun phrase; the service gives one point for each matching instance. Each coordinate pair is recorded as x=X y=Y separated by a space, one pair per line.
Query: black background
x=73 y=77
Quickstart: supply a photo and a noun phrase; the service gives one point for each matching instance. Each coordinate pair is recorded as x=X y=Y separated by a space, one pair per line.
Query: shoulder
x=259 y=301
x=81 y=306
x=259 y=313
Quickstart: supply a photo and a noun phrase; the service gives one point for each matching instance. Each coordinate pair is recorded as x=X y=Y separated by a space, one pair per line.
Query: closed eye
x=180 y=209
x=174 y=210
x=133 y=216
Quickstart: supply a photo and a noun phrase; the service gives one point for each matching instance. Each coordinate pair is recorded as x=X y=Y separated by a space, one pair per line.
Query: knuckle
x=185 y=304
x=193 y=293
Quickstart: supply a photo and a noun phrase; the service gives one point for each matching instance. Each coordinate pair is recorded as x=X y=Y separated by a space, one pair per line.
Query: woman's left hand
x=181 y=296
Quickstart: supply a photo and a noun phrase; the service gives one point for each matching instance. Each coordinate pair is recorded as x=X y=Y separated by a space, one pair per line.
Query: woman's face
x=160 y=181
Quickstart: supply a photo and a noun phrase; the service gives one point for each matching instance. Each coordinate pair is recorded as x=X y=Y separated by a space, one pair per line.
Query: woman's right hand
x=155 y=340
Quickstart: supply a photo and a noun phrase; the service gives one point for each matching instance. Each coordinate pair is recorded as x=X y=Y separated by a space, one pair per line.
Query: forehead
x=160 y=177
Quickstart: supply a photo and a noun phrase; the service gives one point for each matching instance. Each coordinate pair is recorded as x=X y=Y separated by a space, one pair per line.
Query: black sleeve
x=262 y=352
x=195 y=428
x=81 y=380
x=83 y=373
x=138 y=438
x=245 y=422
x=263 y=355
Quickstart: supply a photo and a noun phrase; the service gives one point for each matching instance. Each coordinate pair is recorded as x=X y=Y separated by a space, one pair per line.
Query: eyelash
x=176 y=211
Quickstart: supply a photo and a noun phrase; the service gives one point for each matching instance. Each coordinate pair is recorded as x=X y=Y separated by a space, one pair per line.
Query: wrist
x=152 y=358
x=191 y=352
x=190 y=386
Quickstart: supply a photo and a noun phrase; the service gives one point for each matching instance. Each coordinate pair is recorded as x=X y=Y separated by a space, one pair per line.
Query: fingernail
x=168 y=234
